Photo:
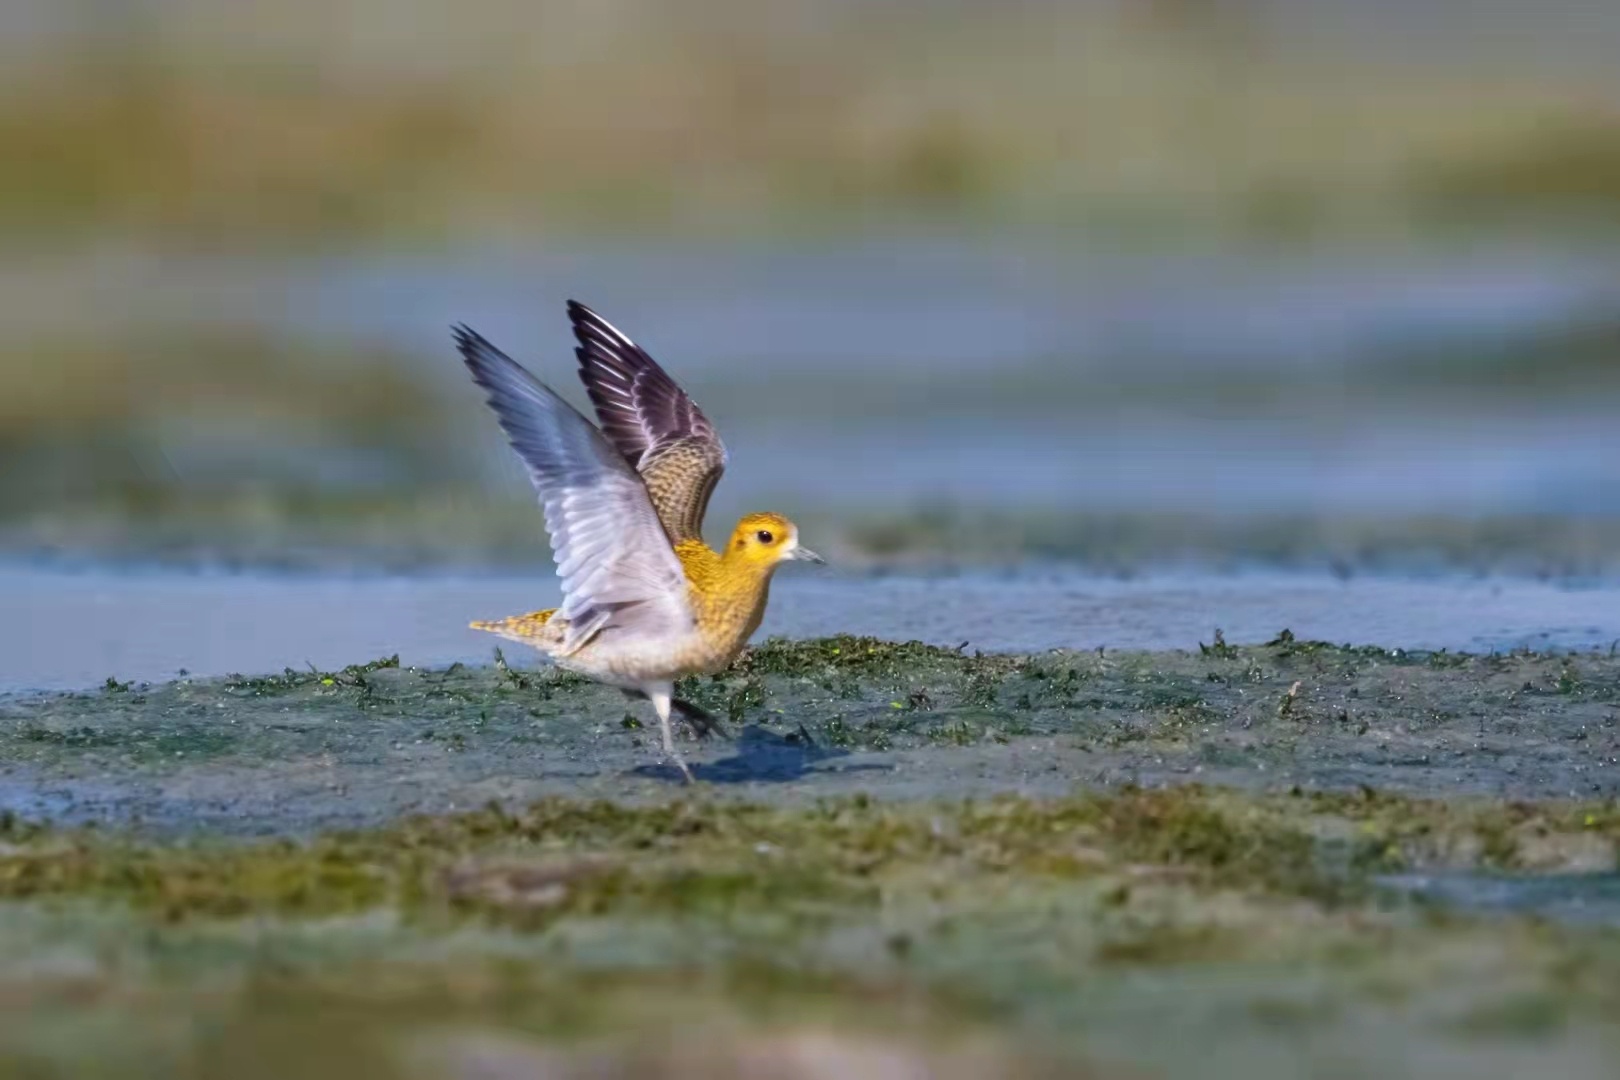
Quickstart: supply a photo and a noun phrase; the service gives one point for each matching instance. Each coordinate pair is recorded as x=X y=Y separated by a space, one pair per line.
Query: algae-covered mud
x=847 y=938
x=1237 y=860
x=310 y=749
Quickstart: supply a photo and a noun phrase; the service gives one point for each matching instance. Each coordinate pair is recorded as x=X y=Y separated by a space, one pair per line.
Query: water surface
x=71 y=629
x=1592 y=899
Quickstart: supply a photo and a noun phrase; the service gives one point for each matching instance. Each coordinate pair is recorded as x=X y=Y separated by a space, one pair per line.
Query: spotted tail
x=517 y=626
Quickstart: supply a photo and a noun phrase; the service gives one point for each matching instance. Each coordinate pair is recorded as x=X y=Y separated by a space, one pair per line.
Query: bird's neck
x=712 y=572
x=728 y=594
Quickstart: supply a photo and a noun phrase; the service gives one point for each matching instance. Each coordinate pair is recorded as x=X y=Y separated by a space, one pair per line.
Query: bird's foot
x=664 y=704
x=673 y=756
x=702 y=722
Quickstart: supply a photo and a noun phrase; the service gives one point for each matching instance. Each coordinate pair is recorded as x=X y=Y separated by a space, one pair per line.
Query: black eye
x=764 y=536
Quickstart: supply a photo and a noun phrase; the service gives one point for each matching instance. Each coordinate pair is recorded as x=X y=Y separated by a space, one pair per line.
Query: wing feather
x=618 y=572
x=653 y=422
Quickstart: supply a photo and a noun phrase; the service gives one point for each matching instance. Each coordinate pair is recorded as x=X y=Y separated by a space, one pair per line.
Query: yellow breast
x=728 y=598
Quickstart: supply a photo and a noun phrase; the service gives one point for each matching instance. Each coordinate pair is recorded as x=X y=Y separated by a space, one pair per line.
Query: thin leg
x=702 y=722
x=661 y=700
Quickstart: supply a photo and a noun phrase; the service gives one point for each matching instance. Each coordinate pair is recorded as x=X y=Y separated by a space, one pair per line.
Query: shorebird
x=645 y=600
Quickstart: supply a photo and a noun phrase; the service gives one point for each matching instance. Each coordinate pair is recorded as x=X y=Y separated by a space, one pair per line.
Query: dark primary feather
x=616 y=565
x=653 y=422
x=639 y=405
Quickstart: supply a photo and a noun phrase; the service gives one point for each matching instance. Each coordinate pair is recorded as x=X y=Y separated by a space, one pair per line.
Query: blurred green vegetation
x=852 y=937
x=346 y=125
x=189 y=444
x=1569 y=162
x=193 y=126
x=207 y=411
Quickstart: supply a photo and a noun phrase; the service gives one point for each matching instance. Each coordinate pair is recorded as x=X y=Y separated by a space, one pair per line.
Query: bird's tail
x=517 y=627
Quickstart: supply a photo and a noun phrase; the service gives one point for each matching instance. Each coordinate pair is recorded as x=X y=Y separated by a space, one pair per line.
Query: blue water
x=1579 y=898
x=74 y=629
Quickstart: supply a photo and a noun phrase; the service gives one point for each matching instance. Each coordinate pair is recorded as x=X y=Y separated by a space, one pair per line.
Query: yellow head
x=764 y=540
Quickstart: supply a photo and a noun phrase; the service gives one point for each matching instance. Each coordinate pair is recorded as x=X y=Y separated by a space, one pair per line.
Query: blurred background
x=1328 y=282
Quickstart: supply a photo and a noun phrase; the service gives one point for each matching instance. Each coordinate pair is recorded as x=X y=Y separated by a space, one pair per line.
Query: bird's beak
x=804 y=554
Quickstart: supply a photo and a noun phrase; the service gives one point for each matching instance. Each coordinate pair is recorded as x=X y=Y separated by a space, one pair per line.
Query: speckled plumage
x=645 y=600
x=727 y=596
x=680 y=477
x=653 y=422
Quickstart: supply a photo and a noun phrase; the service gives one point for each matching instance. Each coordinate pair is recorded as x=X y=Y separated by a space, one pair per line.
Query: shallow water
x=1576 y=898
x=922 y=304
x=71 y=629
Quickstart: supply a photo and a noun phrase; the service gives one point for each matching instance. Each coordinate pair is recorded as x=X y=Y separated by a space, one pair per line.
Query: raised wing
x=655 y=425
x=619 y=574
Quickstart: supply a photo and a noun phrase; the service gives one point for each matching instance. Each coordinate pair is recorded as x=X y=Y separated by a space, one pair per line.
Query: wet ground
x=1302 y=858
x=312 y=749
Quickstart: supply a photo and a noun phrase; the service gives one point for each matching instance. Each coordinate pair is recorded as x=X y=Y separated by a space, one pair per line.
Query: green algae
x=701 y=855
x=1047 y=922
x=354 y=675
x=376 y=1017
x=831 y=717
x=847 y=653
x=1053 y=852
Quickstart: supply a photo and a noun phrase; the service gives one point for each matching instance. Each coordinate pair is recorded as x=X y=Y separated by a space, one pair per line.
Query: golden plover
x=645 y=600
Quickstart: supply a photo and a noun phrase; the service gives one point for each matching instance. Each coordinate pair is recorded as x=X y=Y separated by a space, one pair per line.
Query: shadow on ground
x=763 y=756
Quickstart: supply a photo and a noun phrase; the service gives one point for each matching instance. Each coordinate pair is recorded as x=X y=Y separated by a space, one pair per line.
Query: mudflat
x=904 y=857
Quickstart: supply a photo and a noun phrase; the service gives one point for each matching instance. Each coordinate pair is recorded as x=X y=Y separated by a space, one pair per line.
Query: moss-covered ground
x=1264 y=860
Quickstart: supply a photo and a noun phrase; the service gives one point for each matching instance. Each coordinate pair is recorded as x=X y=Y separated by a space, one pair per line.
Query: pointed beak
x=804 y=554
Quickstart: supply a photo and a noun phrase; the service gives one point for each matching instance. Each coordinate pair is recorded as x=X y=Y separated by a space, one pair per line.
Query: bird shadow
x=761 y=756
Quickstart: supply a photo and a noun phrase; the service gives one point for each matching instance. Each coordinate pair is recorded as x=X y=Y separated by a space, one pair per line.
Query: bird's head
x=767 y=539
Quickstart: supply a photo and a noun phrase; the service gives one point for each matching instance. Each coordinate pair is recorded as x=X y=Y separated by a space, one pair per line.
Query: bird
x=645 y=600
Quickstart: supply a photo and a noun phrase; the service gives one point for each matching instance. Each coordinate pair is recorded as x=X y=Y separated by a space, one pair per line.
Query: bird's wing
x=619 y=573
x=654 y=423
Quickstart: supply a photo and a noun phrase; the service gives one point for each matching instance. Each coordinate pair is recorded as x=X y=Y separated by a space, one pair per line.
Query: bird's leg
x=661 y=702
x=703 y=722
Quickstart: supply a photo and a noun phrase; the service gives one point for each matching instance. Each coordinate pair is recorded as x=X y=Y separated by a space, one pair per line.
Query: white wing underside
x=620 y=578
